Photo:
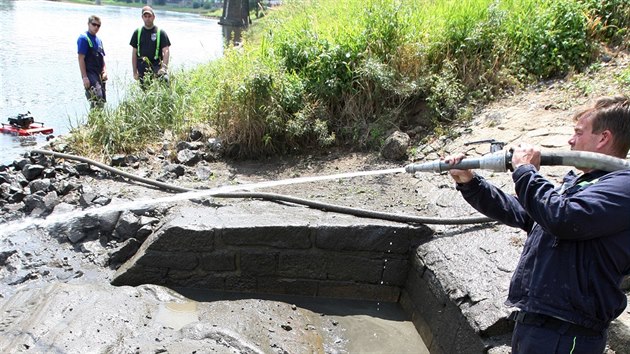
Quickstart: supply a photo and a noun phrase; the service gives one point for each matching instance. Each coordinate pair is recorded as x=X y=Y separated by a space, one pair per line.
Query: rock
x=188 y=157
x=108 y=220
x=189 y=145
x=175 y=169
x=84 y=168
x=395 y=147
x=127 y=226
x=124 y=251
x=65 y=186
x=4 y=177
x=118 y=161
x=203 y=172
x=31 y=172
x=40 y=185
x=63 y=208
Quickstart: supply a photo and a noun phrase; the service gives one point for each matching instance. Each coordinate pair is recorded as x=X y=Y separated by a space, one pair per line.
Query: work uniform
x=92 y=47
x=149 y=43
x=567 y=281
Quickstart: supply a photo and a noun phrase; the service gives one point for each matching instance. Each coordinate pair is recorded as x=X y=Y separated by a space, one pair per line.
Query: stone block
x=169 y=260
x=370 y=238
x=286 y=286
x=285 y=237
x=302 y=264
x=346 y=266
x=253 y=263
x=356 y=291
x=395 y=271
x=218 y=261
x=175 y=238
x=240 y=283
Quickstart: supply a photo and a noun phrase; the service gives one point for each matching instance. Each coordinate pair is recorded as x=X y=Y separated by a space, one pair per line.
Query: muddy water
x=367 y=326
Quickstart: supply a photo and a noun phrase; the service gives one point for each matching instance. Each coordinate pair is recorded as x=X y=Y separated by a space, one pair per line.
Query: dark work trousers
x=96 y=93
x=532 y=339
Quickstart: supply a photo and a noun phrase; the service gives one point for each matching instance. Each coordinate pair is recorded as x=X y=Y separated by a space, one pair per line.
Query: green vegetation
x=318 y=72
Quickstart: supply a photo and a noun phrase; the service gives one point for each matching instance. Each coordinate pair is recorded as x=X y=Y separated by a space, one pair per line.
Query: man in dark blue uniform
x=92 y=63
x=151 y=49
x=567 y=281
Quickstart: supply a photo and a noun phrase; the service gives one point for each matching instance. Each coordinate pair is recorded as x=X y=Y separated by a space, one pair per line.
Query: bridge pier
x=235 y=13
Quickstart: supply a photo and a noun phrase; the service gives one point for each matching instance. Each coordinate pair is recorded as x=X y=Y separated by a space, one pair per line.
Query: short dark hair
x=611 y=113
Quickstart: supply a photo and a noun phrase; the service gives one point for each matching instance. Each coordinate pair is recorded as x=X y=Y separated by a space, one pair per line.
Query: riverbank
x=32 y=261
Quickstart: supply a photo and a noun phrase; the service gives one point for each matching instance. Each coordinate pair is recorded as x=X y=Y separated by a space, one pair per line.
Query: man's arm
x=166 y=54
x=487 y=198
x=134 y=63
x=84 y=77
x=104 y=72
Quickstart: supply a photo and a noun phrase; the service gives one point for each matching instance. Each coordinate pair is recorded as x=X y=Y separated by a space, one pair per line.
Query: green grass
x=314 y=73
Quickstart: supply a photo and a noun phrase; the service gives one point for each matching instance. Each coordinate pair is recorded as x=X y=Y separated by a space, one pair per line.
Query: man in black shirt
x=150 y=54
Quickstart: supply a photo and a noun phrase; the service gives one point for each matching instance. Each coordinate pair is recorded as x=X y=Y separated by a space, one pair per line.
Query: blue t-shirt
x=94 y=55
x=83 y=45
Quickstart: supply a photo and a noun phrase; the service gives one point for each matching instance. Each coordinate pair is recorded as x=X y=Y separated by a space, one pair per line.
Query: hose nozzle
x=497 y=161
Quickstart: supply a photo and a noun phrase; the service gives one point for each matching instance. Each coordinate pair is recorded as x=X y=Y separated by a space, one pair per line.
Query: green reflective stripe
x=157 y=47
x=89 y=41
x=138 y=37
x=584 y=184
x=573 y=348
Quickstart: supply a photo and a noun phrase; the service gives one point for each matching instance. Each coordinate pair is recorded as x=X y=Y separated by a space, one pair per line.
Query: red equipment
x=23 y=125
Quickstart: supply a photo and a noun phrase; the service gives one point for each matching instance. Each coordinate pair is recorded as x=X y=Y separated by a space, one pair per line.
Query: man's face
x=94 y=26
x=148 y=19
x=583 y=138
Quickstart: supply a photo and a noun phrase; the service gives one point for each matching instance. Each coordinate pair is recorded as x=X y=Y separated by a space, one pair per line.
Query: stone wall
x=452 y=282
x=263 y=247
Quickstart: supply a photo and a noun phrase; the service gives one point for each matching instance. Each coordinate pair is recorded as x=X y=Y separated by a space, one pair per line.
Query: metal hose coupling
x=501 y=161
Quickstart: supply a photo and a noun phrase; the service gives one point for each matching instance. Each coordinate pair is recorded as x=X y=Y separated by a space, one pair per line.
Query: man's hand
x=86 y=82
x=524 y=154
x=460 y=176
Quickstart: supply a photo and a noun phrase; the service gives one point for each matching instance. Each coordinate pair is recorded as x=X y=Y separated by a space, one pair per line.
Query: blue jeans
x=532 y=339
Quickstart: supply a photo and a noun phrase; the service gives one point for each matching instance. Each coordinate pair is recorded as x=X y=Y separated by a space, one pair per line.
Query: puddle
x=177 y=314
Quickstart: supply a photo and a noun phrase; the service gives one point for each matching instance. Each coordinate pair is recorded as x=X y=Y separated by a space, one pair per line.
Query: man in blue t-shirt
x=92 y=63
x=150 y=53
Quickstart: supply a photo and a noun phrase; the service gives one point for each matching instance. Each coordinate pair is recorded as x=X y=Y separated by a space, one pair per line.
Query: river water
x=39 y=70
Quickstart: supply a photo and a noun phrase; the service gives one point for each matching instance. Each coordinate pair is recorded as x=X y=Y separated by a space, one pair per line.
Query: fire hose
x=499 y=161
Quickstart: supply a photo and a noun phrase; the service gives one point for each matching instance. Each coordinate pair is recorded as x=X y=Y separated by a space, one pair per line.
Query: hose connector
x=497 y=161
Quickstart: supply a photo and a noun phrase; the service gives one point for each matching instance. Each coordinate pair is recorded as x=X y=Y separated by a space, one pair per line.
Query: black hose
x=279 y=197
